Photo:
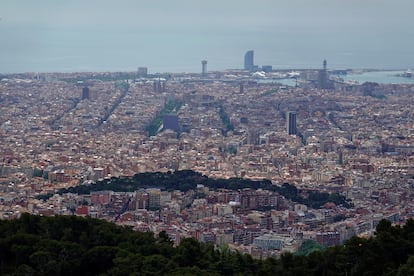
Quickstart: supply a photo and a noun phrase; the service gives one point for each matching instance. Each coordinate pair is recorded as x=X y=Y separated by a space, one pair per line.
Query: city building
x=272 y=242
x=291 y=123
x=323 y=80
x=170 y=121
x=154 y=198
x=253 y=135
x=142 y=71
x=101 y=197
x=267 y=68
x=328 y=238
x=241 y=88
x=249 y=60
x=85 y=93
x=159 y=86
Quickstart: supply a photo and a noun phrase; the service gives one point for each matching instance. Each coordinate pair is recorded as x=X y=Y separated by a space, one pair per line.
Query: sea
x=394 y=77
x=94 y=49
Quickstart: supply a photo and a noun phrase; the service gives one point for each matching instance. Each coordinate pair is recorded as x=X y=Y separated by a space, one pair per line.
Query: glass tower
x=249 y=60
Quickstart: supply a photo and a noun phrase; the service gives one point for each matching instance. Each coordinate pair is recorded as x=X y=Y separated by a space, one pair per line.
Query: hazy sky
x=208 y=13
x=386 y=24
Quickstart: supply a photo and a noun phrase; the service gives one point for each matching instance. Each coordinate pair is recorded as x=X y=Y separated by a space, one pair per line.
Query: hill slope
x=66 y=245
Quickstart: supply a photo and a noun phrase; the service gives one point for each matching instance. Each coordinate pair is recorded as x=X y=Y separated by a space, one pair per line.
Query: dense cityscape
x=185 y=138
x=308 y=129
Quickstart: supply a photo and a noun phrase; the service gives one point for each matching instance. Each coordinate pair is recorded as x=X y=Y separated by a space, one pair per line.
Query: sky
x=34 y=30
x=208 y=14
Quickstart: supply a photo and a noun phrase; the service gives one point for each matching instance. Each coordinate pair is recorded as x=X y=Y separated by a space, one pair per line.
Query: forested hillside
x=66 y=245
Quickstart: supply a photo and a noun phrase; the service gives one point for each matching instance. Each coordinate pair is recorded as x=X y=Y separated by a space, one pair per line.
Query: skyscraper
x=291 y=123
x=204 y=67
x=85 y=93
x=249 y=60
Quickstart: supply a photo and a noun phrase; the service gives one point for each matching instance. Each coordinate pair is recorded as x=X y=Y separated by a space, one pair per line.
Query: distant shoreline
x=350 y=70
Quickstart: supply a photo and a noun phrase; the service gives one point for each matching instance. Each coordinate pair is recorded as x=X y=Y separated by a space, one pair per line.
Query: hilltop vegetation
x=188 y=180
x=67 y=245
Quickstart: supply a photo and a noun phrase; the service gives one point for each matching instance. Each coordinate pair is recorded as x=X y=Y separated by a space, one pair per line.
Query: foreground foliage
x=67 y=245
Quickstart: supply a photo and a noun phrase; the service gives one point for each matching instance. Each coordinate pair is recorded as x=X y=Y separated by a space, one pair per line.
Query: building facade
x=249 y=60
x=291 y=123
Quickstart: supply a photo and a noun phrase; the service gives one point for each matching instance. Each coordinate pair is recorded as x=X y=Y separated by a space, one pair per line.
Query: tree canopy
x=185 y=180
x=68 y=245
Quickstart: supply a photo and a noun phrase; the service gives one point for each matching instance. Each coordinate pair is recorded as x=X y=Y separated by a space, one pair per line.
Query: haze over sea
x=174 y=36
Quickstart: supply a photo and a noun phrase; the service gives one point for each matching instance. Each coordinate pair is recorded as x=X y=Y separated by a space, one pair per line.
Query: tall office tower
x=85 y=93
x=291 y=123
x=204 y=67
x=241 y=88
x=249 y=60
